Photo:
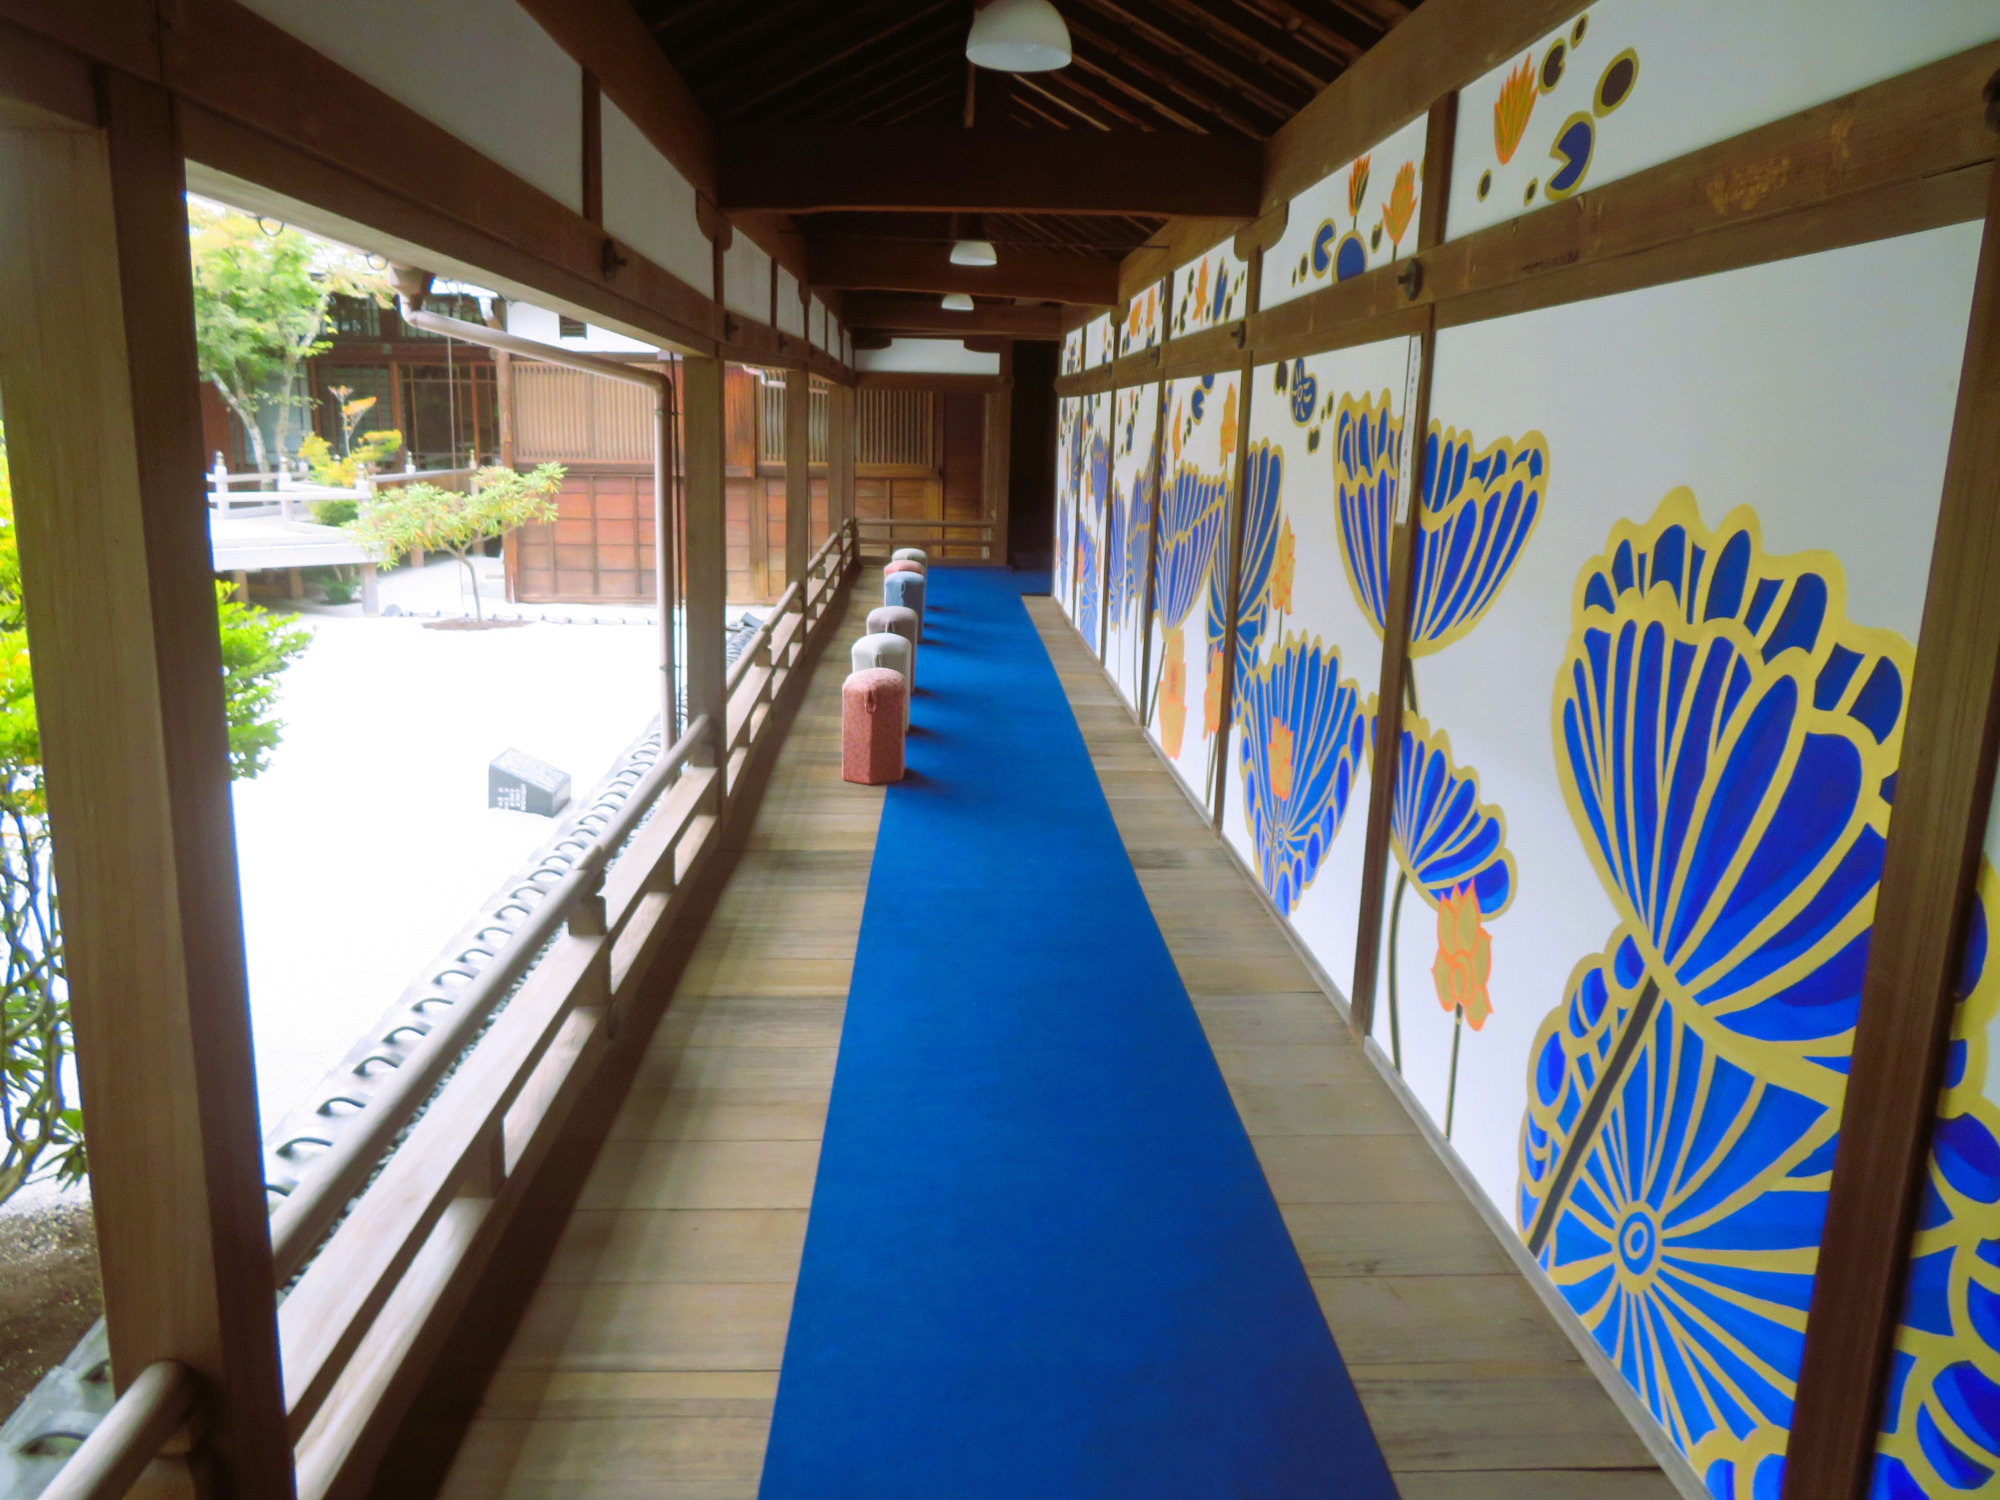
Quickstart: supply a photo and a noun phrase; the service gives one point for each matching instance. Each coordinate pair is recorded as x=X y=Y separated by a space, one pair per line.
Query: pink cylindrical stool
x=897 y=619
x=904 y=565
x=871 y=727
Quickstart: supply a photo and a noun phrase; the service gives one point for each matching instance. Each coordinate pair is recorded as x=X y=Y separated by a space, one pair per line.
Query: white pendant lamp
x=956 y=302
x=973 y=253
x=1018 y=36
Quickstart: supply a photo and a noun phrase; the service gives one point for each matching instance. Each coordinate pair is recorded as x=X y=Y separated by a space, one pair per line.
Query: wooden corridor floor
x=647 y=1361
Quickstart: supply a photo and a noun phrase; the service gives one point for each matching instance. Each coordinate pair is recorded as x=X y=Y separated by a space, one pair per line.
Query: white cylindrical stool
x=910 y=554
x=887 y=649
x=898 y=619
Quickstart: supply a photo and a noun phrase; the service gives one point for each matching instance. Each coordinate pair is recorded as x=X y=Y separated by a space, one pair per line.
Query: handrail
x=109 y=1462
x=744 y=661
x=304 y=1217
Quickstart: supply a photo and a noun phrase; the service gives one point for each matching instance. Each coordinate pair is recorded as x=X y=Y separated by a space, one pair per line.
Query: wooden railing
x=884 y=535
x=389 y=1228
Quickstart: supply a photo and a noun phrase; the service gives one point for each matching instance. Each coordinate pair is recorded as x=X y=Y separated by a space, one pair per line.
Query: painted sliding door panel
x=1143 y=322
x=1072 y=351
x=1361 y=217
x=1941 y=1421
x=1128 y=544
x=1097 y=341
x=1092 y=504
x=1213 y=289
x=1190 y=574
x=1325 y=439
x=1675 y=552
x=1071 y=443
x=1629 y=84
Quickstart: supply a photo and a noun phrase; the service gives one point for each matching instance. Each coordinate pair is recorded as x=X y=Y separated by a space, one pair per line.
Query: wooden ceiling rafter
x=1170 y=73
x=845 y=84
x=938 y=92
x=691 y=56
x=1189 y=47
x=1068 y=79
x=1023 y=102
x=1081 y=56
x=810 y=50
x=1027 y=81
x=1257 y=42
x=1313 y=20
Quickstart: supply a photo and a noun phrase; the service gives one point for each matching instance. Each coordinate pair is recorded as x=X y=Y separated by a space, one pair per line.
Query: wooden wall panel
x=598 y=550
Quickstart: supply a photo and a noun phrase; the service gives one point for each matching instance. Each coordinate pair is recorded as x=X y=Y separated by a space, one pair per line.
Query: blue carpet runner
x=1042 y=1260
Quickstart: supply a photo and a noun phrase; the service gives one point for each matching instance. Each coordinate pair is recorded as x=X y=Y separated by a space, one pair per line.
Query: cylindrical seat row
x=875 y=698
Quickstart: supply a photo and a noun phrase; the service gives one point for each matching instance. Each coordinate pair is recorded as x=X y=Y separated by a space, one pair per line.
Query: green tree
x=402 y=518
x=41 y=1129
x=260 y=301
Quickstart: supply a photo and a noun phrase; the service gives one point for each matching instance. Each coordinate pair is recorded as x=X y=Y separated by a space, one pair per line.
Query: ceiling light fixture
x=1018 y=36
x=956 y=302
x=973 y=253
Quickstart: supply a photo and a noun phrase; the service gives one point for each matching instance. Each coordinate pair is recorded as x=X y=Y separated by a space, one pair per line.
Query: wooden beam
x=860 y=264
x=908 y=315
x=1910 y=992
x=798 y=474
x=42 y=86
x=97 y=367
x=705 y=502
x=801 y=170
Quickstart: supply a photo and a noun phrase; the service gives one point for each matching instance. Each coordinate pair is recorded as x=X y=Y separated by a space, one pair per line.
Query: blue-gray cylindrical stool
x=910 y=554
x=906 y=589
x=887 y=649
x=898 y=621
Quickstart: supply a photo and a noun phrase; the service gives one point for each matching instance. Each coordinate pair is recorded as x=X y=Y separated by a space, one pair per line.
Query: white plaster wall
x=817 y=327
x=746 y=279
x=791 y=311
x=649 y=205
x=515 y=96
x=929 y=357
x=544 y=326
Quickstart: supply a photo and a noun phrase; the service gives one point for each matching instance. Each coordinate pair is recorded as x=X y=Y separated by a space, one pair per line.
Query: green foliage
x=367 y=454
x=260 y=301
x=407 y=517
x=338 y=587
x=41 y=1129
x=337 y=512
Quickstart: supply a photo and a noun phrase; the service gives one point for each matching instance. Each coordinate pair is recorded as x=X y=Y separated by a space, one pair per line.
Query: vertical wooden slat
x=707 y=578
x=840 y=454
x=1910 y=992
x=1402 y=569
x=996 y=477
x=1253 y=291
x=798 y=474
x=593 y=149
x=97 y=366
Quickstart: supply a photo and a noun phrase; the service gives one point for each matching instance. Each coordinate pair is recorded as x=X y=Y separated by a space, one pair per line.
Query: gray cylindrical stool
x=889 y=650
x=906 y=589
x=910 y=554
x=897 y=620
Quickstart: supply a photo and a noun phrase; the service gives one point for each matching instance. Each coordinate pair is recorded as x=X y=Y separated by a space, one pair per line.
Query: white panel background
x=1288 y=271
x=746 y=278
x=515 y=96
x=1135 y=419
x=1747 y=388
x=1706 y=72
x=1323 y=605
x=650 y=206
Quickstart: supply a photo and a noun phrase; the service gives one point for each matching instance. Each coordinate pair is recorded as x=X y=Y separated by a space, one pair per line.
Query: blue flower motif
x=1479 y=509
x=1086 y=585
x=1299 y=742
x=1687 y=1236
x=1729 y=746
x=1116 y=579
x=1941 y=1416
x=1190 y=537
x=1304 y=392
x=1443 y=835
x=1263 y=482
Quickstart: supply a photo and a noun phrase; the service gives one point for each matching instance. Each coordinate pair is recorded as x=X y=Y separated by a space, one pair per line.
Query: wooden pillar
x=1910 y=992
x=97 y=371
x=996 y=473
x=1402 y=578
x=707 y=578
x=798 y=476
x=840 y=455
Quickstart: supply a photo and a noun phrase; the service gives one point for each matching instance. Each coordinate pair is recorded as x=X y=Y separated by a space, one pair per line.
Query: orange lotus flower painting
x=1465 y=958
x=1282 y=570
x=1402 y=205
x=1173 y=692
x=1357 y=187
x=1512 y=109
